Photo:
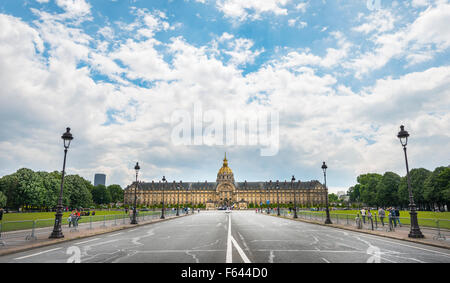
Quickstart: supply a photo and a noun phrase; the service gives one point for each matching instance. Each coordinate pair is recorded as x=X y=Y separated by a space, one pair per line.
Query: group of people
x=73 y=218
x=392 y=213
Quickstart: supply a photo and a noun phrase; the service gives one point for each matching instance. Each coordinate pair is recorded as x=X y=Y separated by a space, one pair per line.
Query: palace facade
x=226 y=192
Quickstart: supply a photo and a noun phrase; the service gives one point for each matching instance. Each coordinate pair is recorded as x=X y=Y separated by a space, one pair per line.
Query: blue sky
x=343 y=76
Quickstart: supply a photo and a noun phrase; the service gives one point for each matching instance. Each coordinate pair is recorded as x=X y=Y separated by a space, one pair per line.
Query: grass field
x=23 y=221
x=425 y=218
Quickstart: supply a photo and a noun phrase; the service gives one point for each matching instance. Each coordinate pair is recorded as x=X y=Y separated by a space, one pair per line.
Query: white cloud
x=252 y=9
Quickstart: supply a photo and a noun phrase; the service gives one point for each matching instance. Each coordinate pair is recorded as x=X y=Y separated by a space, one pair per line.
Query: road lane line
x=240 y=251
x=229 y=258
x=27 y=256
x=115 y=234
x=88 y=241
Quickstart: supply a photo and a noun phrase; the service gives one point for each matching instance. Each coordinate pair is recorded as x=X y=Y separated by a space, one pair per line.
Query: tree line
x=31 y=190
x=430 y=189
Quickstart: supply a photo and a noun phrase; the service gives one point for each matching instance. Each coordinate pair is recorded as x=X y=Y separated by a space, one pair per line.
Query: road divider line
x=115 y=234
x=229 y=258
x=27 y=256
x=89 y=241
x=240 y=251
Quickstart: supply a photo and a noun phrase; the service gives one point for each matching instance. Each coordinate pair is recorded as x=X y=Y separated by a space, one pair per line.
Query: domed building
x=225 y=192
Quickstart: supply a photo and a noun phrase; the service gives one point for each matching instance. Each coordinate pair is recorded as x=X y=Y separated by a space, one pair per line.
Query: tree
x=100 y=195
x=434 y=187
x=3 y=200
x=116 y=193
x=333 y=198
x=418 y=177
x=77 y=192
x=387 y=190
x=368 y=188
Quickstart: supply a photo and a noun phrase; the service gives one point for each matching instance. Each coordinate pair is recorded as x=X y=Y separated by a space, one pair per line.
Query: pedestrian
x=382 y=214
x=363 y=214
x=69 y=219
x=392 y=217
x=397 y=216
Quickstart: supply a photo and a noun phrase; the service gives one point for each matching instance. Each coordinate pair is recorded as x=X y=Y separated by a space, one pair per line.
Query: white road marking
x=229 y=258
x=115 y=234
x=88 y=241
x=240 y=251
x=27 y=256
x=324 y=259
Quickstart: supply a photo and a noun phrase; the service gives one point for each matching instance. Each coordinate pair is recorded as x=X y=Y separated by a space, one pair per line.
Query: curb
x=366 y=232
x=63 y=240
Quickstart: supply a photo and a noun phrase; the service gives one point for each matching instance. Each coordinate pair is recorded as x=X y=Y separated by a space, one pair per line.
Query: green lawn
x=425 y=218
x=22 y=221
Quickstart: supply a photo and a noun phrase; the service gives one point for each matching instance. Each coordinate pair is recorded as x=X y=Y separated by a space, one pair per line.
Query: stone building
x=226 y=192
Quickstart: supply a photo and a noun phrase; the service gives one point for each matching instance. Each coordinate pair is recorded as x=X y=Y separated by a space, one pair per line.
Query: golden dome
x=225 y=169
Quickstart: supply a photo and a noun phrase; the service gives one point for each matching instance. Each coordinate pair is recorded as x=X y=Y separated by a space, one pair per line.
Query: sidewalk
x=399 y=233
x=17 y=241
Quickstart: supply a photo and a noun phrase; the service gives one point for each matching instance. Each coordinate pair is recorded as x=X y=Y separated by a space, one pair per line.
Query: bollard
x=337 y=218
x=1 y=240
x=439 y=236
x=376 y=222
x=371 y=222
x=347 y=218
x=32 y=236
x=104 y=221
x=115 y=220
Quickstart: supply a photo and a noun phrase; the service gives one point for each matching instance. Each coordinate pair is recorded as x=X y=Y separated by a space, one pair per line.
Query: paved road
x=236 y=237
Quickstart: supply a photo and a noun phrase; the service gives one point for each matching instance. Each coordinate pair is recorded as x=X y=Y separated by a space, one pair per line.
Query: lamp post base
x=57 y=230
x=328 y=221
x=415 y=230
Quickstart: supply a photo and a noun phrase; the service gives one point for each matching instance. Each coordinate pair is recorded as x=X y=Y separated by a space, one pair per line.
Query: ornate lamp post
x=324 y=168
x=57 y=231
x=163 y=185
x=134 y=220
x=295 y=202
x=277 y=187
x=415 y=230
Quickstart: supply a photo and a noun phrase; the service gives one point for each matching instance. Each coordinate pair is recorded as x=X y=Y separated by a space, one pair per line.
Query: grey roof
x=197 y=186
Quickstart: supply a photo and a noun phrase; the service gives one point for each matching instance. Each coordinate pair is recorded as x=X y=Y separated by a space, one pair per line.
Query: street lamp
x=134 y=220
x=57 y=231
x=415 y=230
x=277 y=186
x=162 y=209
x=295 y=202
x=324 y=168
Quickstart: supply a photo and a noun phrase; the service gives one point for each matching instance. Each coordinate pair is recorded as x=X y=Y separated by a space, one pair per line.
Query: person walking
x=382 y=214
x=69 y=220
x=363 y=214
x=397 y=216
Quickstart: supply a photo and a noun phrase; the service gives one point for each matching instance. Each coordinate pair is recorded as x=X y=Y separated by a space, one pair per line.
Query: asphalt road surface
x=236 y=237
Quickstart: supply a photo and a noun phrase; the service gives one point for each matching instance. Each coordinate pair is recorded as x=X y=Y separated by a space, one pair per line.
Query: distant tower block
x=100 y=179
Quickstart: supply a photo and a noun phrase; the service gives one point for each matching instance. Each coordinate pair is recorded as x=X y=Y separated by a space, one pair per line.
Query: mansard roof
x=211 y=186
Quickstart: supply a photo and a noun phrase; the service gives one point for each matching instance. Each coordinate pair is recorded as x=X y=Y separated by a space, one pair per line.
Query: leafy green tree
x=333 y=198
x=3 y=200
x=354 y=193
x=100 y=195
x=387 y=190
x=9 y=185
x=116 y=193
x=368 y=188
x=79 y=195
x=418 y=177
x=434 y=187
x=443 y=181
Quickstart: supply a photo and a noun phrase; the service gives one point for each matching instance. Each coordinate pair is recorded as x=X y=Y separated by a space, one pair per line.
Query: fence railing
x=31 y=229
x=439 y=228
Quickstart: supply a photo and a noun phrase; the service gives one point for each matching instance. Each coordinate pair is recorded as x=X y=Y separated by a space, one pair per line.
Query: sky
x=339 y=76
